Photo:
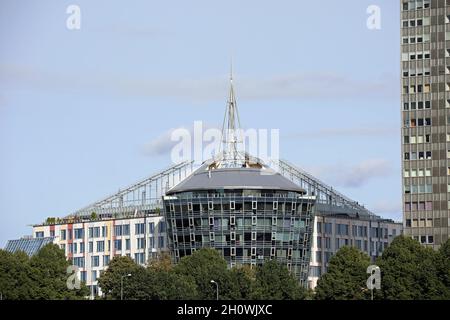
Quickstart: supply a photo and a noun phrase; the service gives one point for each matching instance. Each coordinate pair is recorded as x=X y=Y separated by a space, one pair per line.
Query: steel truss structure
x=146 y=195
x=328 y=199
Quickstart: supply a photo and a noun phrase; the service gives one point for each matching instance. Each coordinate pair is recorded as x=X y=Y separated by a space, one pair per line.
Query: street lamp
x=217 y=289
x=121 y=285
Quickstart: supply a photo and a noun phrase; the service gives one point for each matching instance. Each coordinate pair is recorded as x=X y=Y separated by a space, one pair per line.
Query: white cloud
x=163 y=144
x=160 y=145
x=352 y=176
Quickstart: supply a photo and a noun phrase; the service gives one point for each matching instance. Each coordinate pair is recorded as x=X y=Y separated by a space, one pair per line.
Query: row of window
x=218 y=222
x=419 y=88
x=419 y=206
x=255 y=252
x=416 y=5
x=119 y=230
x=416 y=39
x=424 y=239
x=413 y=173
x=424 y=71
x=417 y=139
x=240 y=238
x=105 y=259
x=419 y=105
x=232 y=205
x=421 y=188
x=76 y=248
x=419 y=55
x=356 y=231
x=416 y=22
x=421 y=155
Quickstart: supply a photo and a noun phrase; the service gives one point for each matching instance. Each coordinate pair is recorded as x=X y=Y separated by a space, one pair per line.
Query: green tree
x=245 y=278
x=162 y=262
x=346 y=277
x=274 y=282
x=49 y=274
x=205 y=265
x=410 y=271
x=111 y=280
x=15 y=271
x=444 y=267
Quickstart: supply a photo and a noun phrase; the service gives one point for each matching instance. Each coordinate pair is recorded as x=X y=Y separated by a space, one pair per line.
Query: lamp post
x=121 y=285
x=217 y=289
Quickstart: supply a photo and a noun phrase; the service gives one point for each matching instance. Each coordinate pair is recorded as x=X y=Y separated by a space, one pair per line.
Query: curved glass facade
x=245 y=226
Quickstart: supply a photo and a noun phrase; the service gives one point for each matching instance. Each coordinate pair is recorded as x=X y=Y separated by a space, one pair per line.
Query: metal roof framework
x=146 y=195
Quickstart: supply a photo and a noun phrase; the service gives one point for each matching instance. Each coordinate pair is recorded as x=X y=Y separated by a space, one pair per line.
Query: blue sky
x=81 y=110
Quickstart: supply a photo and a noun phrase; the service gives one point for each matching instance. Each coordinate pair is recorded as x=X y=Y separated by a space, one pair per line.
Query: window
x=106 y=260
x=254 y=205
x=91 y=246
x=140 y=228
x=117 y=230
x=127 y=244
x=100 y=246
x=118 y=244
x=94 y=232
x=139 y=258
x=232 y=205
x=140 y=243
x=210 y=205
x=63 y=234
x=95 y=261
x=275 y=205
x=79 y=262
x=151 y=227
x=78 y=233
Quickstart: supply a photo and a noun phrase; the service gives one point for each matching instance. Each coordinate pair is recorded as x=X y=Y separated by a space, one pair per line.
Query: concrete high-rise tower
x=425 y=71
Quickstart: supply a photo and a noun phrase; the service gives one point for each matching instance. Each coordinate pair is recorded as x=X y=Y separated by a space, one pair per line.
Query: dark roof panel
x=235 y=178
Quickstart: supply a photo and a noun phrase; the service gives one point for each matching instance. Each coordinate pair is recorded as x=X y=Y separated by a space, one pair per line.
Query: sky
x=84 y=112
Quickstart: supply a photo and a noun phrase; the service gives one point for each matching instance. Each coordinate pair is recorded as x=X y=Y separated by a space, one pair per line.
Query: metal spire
x=231 y=129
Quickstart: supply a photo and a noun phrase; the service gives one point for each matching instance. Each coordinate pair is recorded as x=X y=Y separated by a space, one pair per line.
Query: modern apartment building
x=425 y=71
x=91 y=243
x=331 y=232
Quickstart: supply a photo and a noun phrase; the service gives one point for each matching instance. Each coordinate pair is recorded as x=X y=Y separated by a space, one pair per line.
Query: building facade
x=425 y=71
x=248 y=216
x=331 y=232
x=92 y=243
